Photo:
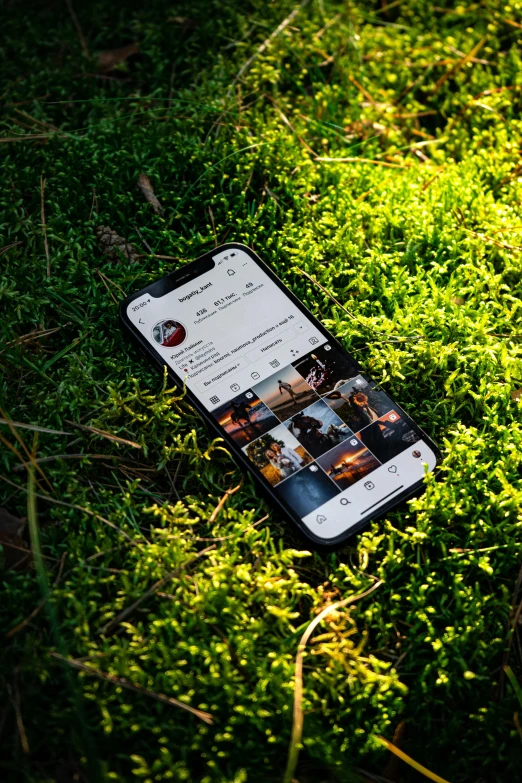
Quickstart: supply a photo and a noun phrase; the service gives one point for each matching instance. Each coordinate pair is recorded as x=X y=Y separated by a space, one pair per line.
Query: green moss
x=424 y=253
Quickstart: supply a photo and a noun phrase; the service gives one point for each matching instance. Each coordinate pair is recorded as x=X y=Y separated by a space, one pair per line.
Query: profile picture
x=169 y=333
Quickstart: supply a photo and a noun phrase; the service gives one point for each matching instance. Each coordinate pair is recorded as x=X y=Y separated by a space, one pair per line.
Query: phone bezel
x=191 y=271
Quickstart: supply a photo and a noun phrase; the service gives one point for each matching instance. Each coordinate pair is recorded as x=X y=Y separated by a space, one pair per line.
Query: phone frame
x=194 y=269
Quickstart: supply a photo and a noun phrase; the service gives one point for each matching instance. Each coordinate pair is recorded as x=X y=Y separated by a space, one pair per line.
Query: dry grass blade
x=39 y=606
x=514 y=683
x=266 y=43
x=44 y=227
x=106 y=279
x=54 y=457
x=213 y=225
x=34 y=427
x=145 y=185
x=79 y=31
x=353 y=317
x=411 y=762
x=460 y=64
x=75 y=507
x=363 y=160
x=40 y=123
x=361 y=89
x=35 y=334
x=21 y=442
x=110 y=626
x=495 y=242
x=8 y=247
x=234 y=535
x=104 y=434
x=14 y=696
x=26 y=137
x=298 y=719
x=206 y=717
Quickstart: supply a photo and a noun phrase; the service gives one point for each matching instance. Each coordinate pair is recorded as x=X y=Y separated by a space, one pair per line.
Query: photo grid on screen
x=315 y=427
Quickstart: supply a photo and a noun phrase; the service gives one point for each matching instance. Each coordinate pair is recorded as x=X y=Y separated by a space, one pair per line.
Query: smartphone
x=331 y=448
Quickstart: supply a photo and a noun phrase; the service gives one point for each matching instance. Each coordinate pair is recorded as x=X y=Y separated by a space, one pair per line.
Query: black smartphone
x=330 y=447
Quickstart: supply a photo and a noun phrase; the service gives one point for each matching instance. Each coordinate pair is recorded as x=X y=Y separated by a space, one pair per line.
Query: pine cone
x=115 y=247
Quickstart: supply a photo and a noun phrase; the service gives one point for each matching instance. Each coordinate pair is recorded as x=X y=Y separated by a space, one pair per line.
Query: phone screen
x=332 y=446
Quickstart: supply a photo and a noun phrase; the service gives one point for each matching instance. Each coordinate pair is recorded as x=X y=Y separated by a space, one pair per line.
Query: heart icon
x=392 y=469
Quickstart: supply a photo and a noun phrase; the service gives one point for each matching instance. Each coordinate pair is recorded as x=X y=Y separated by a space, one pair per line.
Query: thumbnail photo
x=325 y=368
x=285 y=393
x=245 y=418
x=307 y=490
x=169 y=333
x=358 y=403
x=348 y=462
x=388 y=436
x=318 y=428
x=277 y=455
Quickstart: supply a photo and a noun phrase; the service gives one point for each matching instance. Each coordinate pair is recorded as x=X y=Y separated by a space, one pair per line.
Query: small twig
x=21 y=460
x=36 y=334
x=234 y=535
x=332 y=21
x=94 y=201
x=20 y=440
x=44 y=227
x=266 y=43
x=108 y=280
x=411 y=762
x=33 y=427
x=104 y=434
x=363 y=160
x=27 y=137
x=111 y=625
x=15 y=701
x=362 y=89
x=151 y=251
x=222 y=502
x=290 y=126
x=350 y=315
x=41 y=123
x=495 y=242
x=18 y=468
x=130 y=686
x=107 y=287
x=213 y=225
x=8 y=247
x=164 y=258
x=298 y=718
x=79 y=31
x=460 y=64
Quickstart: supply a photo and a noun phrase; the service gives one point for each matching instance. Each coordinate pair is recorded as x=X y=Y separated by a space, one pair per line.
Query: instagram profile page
x=329 y=442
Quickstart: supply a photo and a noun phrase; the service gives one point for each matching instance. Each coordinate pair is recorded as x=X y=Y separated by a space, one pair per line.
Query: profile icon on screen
x=169 y=333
